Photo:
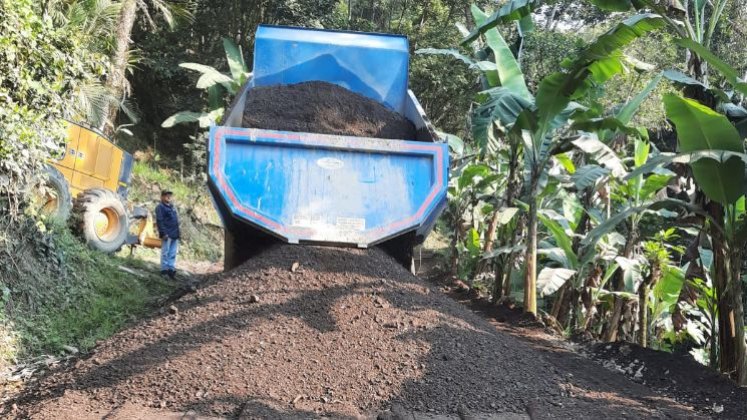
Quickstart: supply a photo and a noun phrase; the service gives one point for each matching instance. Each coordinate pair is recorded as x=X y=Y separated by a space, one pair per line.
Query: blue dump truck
x=311 y=188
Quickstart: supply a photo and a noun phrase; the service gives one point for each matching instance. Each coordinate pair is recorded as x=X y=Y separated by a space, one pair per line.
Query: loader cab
x=92 y=161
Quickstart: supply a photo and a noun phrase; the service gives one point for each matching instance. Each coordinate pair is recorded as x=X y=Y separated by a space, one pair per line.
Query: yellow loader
x=88 y=186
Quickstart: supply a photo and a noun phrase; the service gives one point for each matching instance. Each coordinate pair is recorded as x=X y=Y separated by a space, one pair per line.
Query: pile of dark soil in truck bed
x=304 y=332
x=325 y=108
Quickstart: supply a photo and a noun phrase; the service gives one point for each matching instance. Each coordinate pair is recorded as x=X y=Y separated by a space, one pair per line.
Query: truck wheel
x=402 y=250
x=56 y=203
x=100 y=218
x=242 y=243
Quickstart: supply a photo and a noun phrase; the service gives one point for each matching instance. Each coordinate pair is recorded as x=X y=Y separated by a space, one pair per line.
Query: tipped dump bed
x=327 y=189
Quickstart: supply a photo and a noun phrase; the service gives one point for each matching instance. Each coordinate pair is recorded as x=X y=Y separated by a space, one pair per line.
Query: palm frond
x=130 y=109
x=91 y=101
x=94 y=20
x=172 y=12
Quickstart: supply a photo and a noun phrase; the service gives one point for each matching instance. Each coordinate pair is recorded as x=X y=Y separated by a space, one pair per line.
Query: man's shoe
x=172 y=274
x=165 y=273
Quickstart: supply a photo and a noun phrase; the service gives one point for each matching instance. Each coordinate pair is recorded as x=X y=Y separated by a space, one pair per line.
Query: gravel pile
x=308 y=331
x=325 y=108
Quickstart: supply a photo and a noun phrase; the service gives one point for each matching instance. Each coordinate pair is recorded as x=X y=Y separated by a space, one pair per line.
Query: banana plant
x=629 y=197
x=534 y=122
x=217 y=85
x=602 y=167
x=499 y=70
x=469 y=186
x=714 y=150
x=694 y=22
x=701 y=128
x=505 y=92
x=508 y=108
x=536 y=126
x=512 y=11
x=705 y=154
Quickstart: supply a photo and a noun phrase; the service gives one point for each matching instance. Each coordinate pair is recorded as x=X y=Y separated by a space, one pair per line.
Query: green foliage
x=500 y=110
x=577 y=155
x=614 y=5
x=507 y=68
x=215 y=84
x=513 y=10
x=57 y=292
x=544 y=51
x=598 y=62
x=44 y=68
x=145 y=174
x=101 y=300
x=726 y=70
x=562 y=238
x=625 y=115
x=700 y=128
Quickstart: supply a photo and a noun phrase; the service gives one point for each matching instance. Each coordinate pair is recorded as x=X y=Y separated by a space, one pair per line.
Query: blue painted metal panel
x=373 y=65
x=330 y=189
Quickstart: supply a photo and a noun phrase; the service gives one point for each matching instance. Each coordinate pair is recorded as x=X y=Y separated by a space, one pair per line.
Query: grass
x=57 y=293
x=202 y=237
x=70 y=297
x=145 y=173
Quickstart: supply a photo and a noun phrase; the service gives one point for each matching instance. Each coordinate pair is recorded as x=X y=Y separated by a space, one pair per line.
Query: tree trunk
x=642 y=315
x=557 y=306
x=643 y=291
x=454 y=253
x=568 y=300
x=507 y=275
x=509 y=265
x=619 y=284
x=490 y=234
x=738 y=362
x=401 y=16
x=116 y=80
x=504 y=269
x=551 y=19
x=511 y=192
x=530 y=281
x=727 y=281
x=585 y=297
x=688 y=293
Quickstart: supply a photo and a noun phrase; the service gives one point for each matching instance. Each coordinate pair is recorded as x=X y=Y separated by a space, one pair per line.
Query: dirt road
x=302 y=332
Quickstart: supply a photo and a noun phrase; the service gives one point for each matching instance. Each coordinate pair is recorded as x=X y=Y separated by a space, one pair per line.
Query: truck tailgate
x=304 y=187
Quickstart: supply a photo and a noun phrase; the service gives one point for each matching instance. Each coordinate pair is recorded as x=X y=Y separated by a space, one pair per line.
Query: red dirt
x=325 y=108
x=348 y=334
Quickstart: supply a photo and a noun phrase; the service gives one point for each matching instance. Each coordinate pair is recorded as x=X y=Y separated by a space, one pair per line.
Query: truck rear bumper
x=335 y=190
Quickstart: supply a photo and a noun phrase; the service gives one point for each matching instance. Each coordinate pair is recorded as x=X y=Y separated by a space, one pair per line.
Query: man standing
x=168 y=230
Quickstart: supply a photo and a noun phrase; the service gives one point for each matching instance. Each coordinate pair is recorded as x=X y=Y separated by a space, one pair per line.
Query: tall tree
x=171 y=12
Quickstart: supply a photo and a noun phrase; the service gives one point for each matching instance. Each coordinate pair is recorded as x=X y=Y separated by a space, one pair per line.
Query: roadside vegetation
x=61 y=297
x=575 y=204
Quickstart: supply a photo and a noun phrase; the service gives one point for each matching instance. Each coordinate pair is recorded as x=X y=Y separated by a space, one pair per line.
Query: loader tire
x=56 y=203
x=100 y=218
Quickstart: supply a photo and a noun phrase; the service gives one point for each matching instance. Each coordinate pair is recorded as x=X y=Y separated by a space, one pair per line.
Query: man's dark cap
x=166 y=192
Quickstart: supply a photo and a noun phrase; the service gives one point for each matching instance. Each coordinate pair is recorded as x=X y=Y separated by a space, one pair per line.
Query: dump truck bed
x=328 y=189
